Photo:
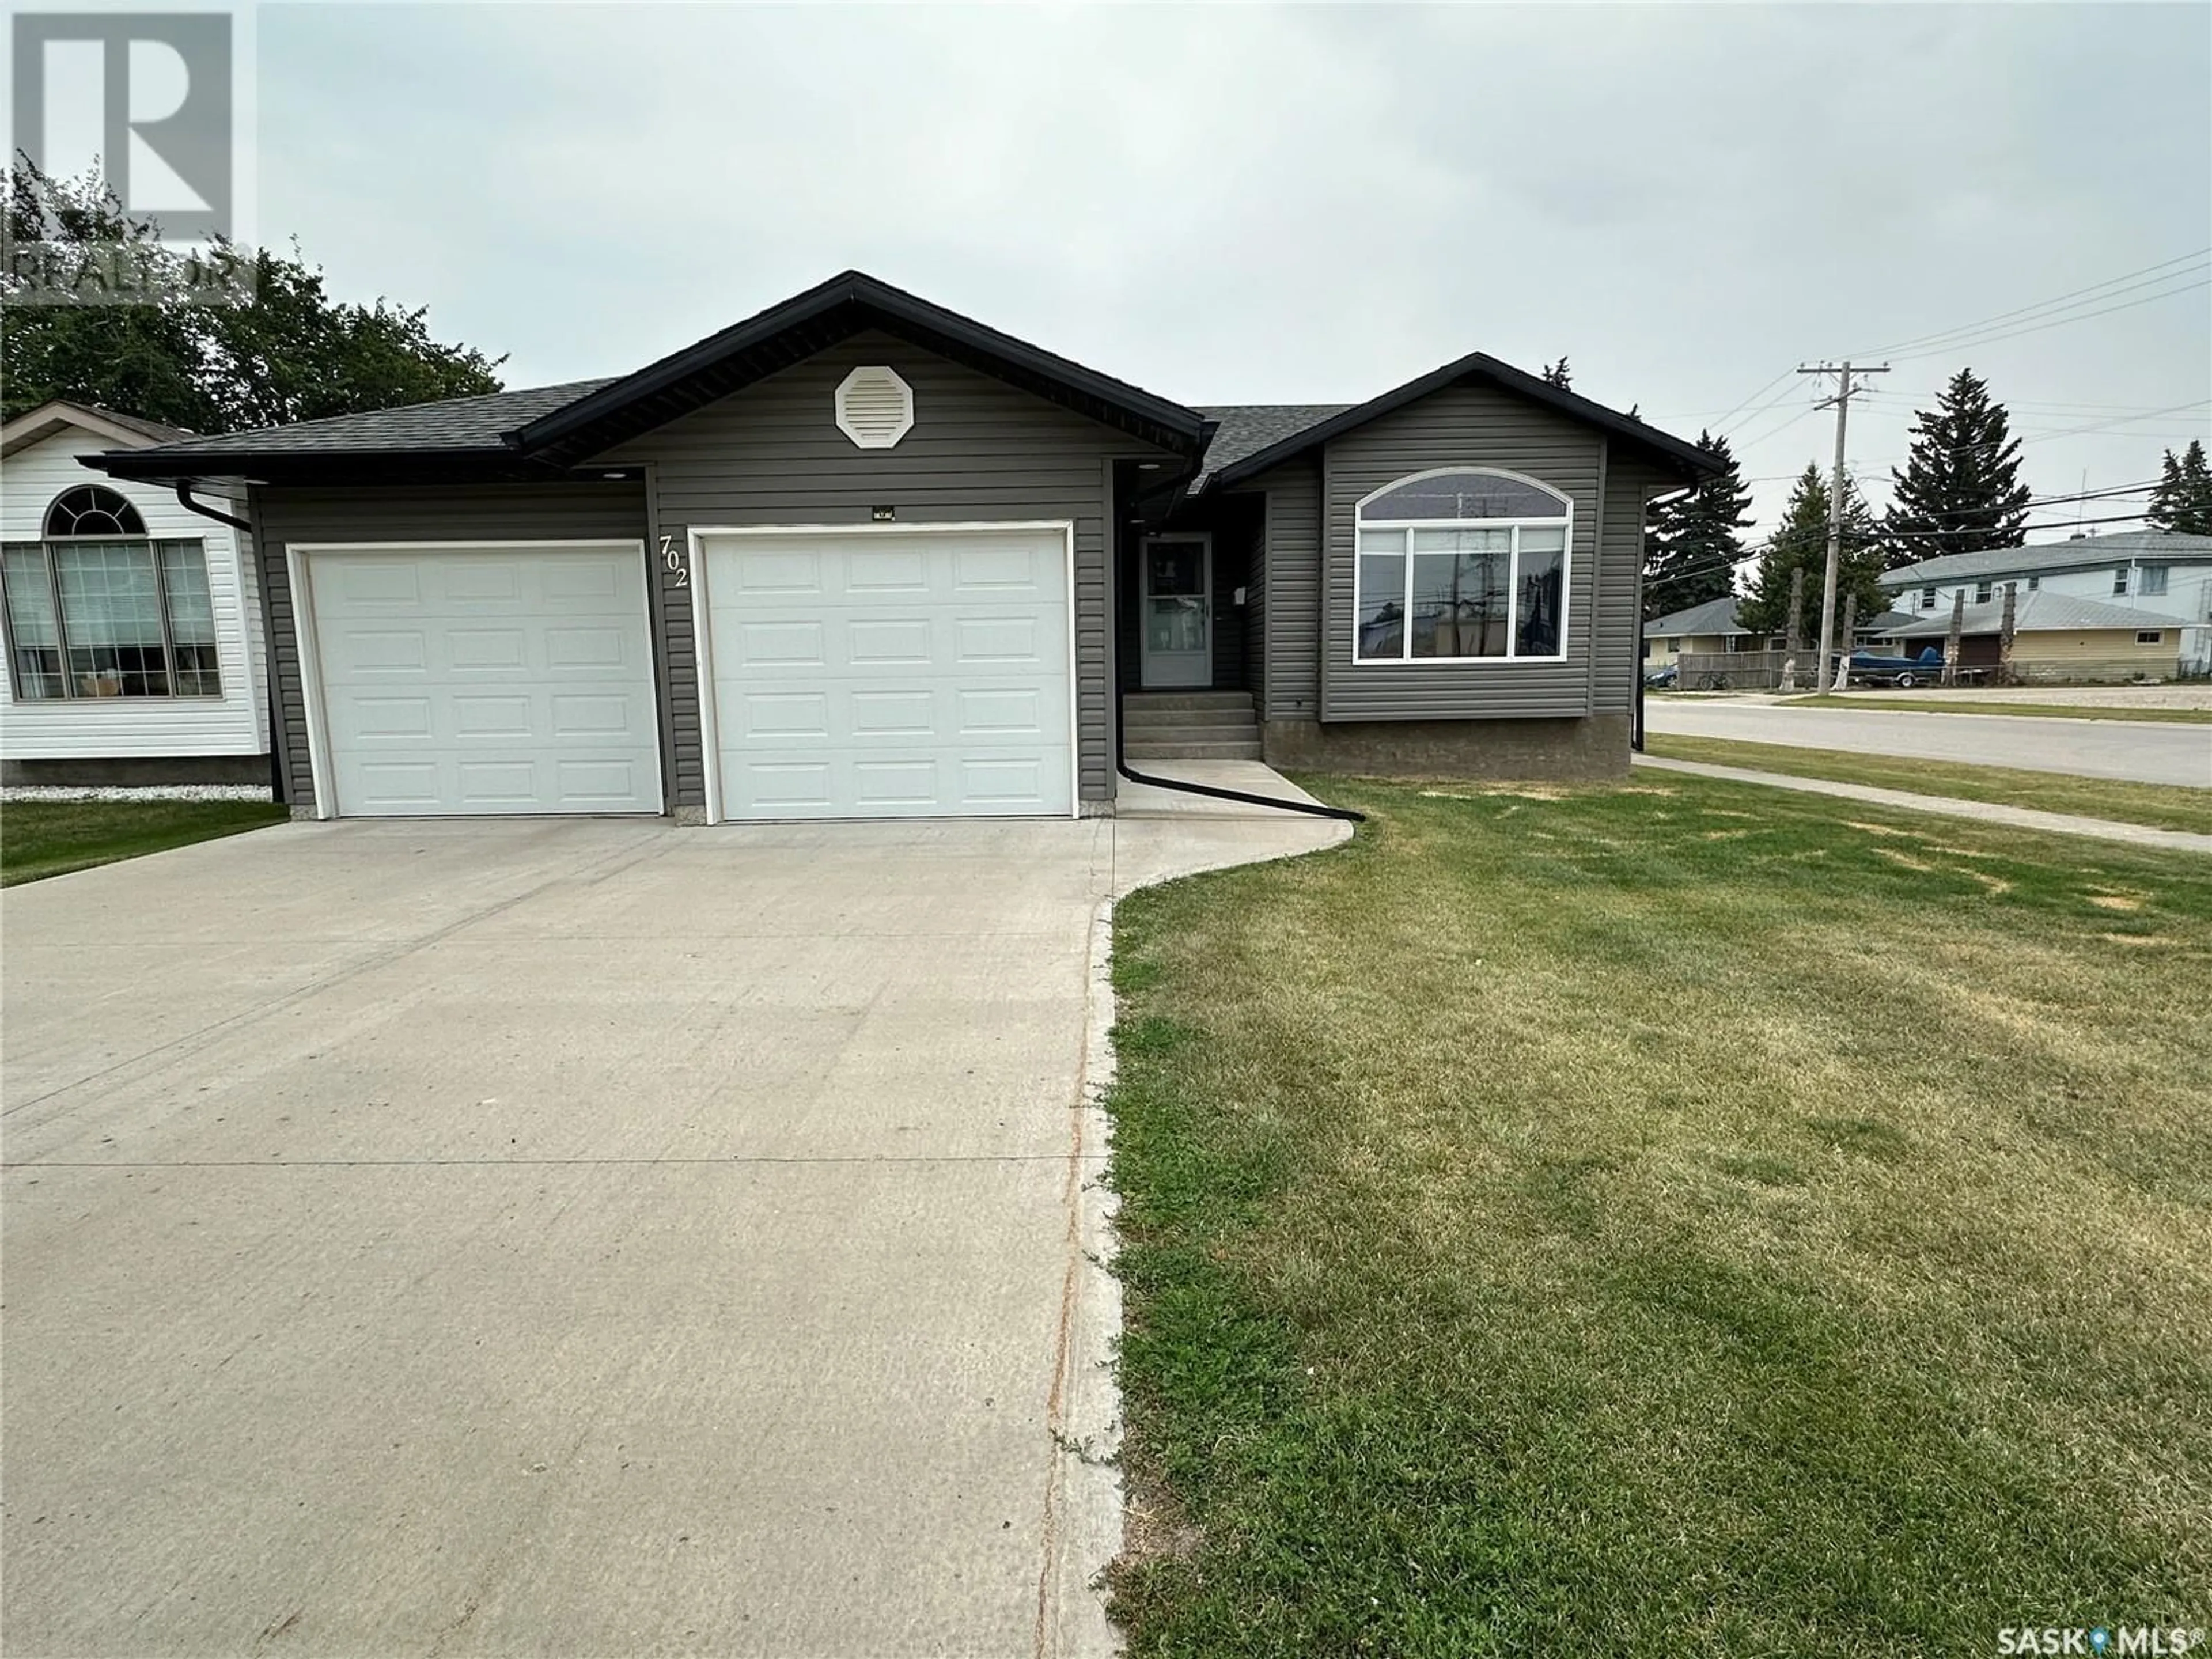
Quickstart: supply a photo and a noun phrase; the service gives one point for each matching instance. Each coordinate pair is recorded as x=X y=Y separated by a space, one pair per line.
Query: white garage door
x=484 y=680
x=913 y=673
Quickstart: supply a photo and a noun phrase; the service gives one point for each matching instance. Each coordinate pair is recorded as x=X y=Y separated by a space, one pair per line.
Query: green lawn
x=2075 y=711
x=2164 y=807
x=1668 y=1218
x=52 y=837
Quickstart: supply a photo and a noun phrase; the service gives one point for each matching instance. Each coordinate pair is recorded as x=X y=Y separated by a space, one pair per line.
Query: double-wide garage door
x=907 y=672
x=917 y=672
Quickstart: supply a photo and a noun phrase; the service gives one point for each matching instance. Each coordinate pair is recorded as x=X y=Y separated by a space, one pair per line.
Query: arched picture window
x=1462 y=564
x=90 y=510
x=97 y=609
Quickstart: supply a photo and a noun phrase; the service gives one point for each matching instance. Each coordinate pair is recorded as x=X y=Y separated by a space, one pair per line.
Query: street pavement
x=2138 y=751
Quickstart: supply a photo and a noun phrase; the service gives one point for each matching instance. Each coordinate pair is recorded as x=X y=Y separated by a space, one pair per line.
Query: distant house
x=134 y=638
x=1703 y=629
x=2055 y=636
x=1713 y=627
x=2163 y=579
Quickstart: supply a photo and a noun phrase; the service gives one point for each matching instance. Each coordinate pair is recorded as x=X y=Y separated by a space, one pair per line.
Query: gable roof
x=2084 y=552
x=1673 y=454
x=111 y=425
x=1713 y=617
x=800 y=327
x=551 y=428
x=2042 y=611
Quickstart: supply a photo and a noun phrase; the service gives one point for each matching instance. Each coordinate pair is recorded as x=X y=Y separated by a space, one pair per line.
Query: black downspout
x=278 y=791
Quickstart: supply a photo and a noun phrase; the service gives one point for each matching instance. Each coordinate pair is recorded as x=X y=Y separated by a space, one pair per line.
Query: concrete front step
x=1136 y=753
x=1137 y=703
x=1138 y=719
x=1211 y=732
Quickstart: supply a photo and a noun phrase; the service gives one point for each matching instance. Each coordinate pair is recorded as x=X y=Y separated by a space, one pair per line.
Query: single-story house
x=1699 y=630
x=2055 y=636
x=2162 y=572
x=1712 y=628
x=858 y=555
x=135 y=638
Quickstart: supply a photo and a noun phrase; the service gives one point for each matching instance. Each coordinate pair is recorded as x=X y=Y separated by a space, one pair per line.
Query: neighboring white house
x=2155 y=572
x=133 y=625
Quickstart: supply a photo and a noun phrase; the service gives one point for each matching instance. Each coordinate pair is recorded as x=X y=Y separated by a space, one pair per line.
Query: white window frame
x=1564 y=521
x=2151 y=637
x=2152 y=580
x=47 y=546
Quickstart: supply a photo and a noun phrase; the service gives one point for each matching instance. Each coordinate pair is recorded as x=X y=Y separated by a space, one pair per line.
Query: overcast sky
x=1306 y=204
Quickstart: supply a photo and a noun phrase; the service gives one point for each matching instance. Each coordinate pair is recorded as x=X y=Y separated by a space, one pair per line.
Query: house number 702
x=672 y=560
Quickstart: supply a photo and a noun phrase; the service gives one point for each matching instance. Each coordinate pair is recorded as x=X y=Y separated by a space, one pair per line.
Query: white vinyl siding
x=233 y=723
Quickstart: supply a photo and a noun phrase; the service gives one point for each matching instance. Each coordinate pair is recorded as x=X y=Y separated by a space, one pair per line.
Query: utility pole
x=1842 y=401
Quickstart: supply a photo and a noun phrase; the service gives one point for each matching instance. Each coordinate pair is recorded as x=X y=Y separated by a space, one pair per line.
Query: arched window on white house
x=96 y=608
x=1463 y=564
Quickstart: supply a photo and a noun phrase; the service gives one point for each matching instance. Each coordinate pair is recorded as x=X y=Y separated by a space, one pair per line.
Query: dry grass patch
x=1550 y=1229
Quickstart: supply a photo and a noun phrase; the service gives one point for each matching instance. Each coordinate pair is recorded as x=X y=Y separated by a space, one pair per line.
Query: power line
x=2094 y=288
x=2078 y=317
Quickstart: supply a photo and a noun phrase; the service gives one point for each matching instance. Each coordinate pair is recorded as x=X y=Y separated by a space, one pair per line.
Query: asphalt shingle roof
x=2037 y=613
x=1713 y=617
x=2052 y=555
x=455 y=423
x=1247 y=428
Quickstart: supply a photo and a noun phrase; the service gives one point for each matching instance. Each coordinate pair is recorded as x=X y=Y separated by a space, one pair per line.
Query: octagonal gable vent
x=875 y=407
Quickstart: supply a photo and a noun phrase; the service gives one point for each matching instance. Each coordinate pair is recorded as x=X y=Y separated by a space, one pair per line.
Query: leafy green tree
x=1692 y=543
x=1801 y=542
x=1960 y=488
x=291 y=353
x=2182 y=500
x=1557 y=374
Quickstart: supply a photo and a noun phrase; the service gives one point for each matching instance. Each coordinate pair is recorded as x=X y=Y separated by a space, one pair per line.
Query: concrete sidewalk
x=567 y=1237
x=2019 y=817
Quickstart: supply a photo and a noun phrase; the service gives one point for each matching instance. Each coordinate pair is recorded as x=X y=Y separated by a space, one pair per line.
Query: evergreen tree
x=1959 y=490
x=1690 y=545
x=1801 y=542
x=1556 y=374
x=290 y=353
x=2183 y=499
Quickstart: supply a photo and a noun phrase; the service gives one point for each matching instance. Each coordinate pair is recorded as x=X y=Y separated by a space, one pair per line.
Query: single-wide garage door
x=906 y=673
x=464 y=680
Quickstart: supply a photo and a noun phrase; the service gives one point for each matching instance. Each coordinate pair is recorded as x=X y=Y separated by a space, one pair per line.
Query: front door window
x=1177 y=634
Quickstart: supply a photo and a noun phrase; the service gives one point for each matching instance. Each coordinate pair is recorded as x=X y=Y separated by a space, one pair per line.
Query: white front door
x=905 y=672
x=1177 y=636
x=453 y=680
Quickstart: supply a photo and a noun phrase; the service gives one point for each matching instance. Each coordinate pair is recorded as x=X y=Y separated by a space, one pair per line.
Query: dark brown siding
x=488 y=513
x=1472 y=426
x=979 y=450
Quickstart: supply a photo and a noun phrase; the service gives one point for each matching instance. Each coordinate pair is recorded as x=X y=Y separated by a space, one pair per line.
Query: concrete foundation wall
x=1588 y=747
x=137 y=771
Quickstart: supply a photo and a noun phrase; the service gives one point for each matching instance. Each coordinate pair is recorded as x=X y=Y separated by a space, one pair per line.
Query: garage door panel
x=890 y=674
x=512 y=681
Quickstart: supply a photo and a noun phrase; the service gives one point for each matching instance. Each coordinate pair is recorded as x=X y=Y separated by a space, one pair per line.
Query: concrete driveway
x=2139 y=752
x=565 y=1236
